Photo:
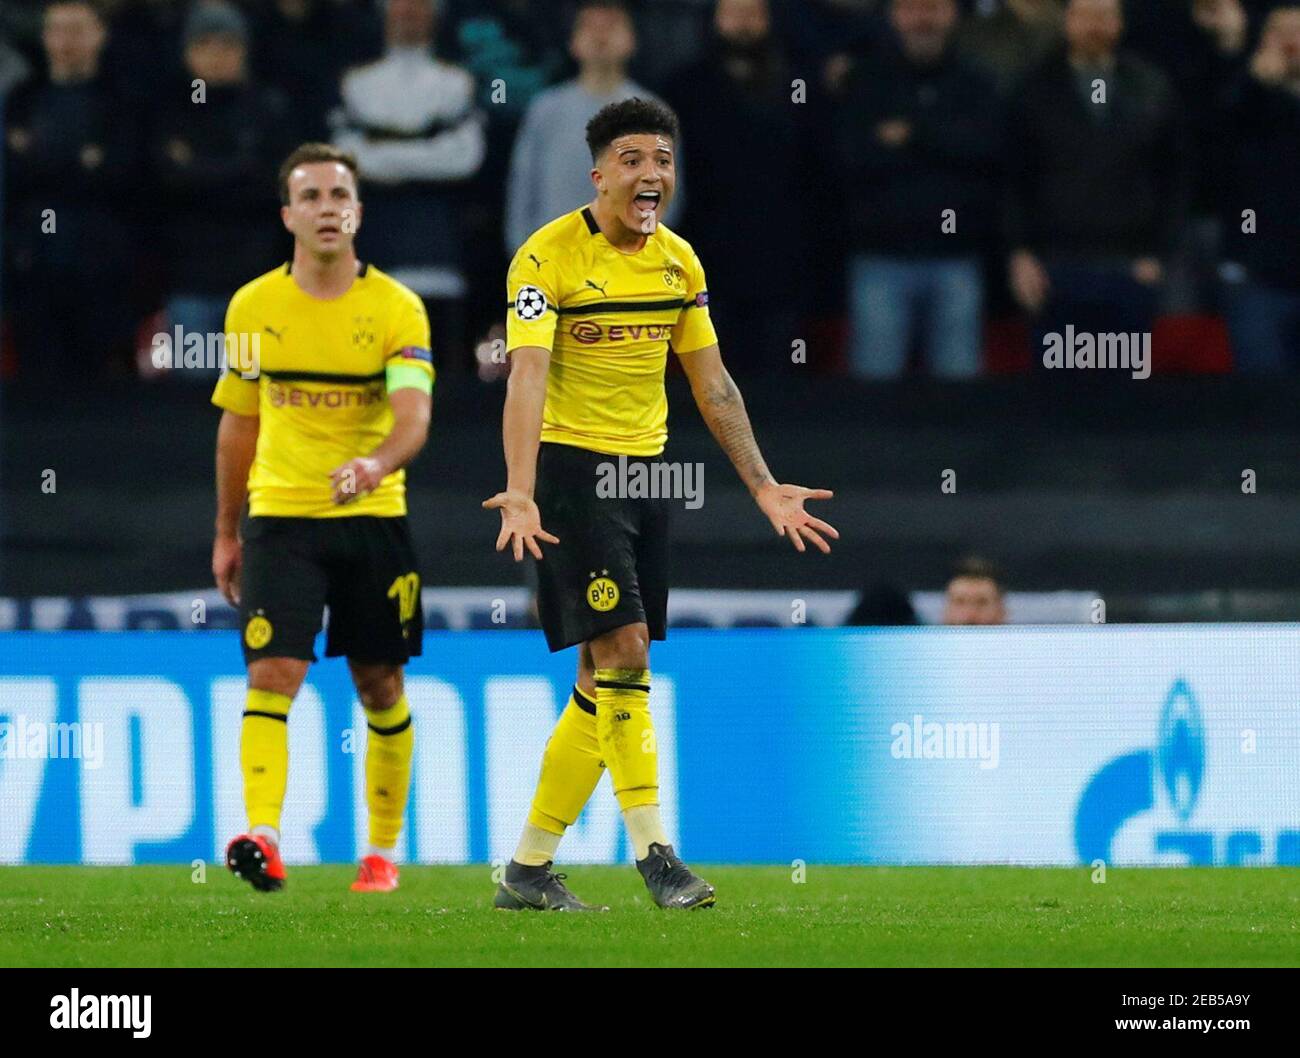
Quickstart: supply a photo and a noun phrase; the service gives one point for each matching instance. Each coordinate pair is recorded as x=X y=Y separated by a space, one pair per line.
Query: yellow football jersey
x=324 y=368
x=608 y=319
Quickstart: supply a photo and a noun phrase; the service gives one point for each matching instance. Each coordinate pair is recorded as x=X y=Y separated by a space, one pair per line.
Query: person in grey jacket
x=547 y=178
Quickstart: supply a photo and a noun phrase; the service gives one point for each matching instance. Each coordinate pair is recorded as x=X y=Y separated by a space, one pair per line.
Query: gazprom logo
x=1181 y=749
x=1127 y=785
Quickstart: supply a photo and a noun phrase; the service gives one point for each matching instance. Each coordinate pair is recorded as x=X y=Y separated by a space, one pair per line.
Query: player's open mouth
x=327 y=231
x=647 y=200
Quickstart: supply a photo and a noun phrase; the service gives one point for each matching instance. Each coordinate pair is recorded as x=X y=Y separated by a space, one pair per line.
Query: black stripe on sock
x=283 y=718
x=618 y=685
x=584 y=703
x=396 y=729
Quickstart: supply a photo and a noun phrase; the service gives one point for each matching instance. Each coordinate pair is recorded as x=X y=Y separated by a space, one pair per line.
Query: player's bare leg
x=621 y=660
x=254 y=856
x=389 y=745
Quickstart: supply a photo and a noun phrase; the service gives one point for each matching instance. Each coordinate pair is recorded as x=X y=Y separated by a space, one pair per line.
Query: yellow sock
x=571 y=768
x=264 y=756
x=389 y=746
x=627 y=736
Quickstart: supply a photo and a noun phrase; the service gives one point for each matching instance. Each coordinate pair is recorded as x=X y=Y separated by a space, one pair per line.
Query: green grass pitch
x=839 y=916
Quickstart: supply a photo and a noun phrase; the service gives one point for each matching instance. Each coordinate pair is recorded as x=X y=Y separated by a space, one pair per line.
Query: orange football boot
x=257 y=861
x=375 y=875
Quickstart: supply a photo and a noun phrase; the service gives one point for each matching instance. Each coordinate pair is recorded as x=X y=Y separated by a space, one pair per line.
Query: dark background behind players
x=919 y=132
x=1135 y=489
x=754 y=157
x=214 y=176
x=895 y=116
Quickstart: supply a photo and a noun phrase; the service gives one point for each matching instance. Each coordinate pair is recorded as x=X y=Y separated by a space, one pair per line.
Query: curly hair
x=626 y=118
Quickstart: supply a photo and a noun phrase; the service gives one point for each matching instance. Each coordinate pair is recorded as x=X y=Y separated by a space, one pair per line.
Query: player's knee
x=277 y=675
x=623 y=648
x=378 y=686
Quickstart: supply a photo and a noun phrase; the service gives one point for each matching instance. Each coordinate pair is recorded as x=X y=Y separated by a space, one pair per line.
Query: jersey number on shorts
x=406 y=590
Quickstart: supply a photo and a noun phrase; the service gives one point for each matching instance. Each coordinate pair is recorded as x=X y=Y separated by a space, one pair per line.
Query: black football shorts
x=362 y=567
x=610 y=567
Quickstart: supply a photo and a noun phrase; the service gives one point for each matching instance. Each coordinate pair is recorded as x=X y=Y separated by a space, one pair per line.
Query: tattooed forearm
x=723 y=409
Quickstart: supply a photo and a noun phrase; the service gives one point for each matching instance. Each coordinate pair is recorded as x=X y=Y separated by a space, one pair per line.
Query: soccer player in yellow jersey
x=596 y=300
x=315 y=439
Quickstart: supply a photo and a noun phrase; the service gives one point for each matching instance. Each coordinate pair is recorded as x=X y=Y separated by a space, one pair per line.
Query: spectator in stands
x=824 y=36
x=882 y=604
x=670 y=34
x=145 y=44
x=1012 y=37
x=747 y=135
x=515 y=49
x=515 y=41
x=302 y=47
x=975 y=594
x=1261 y=268
x=919 y=138
x=550 y=170
x=213 y=147
x=411 y=122
x=1099 y=180
x=1201 y=46
x=70 y=169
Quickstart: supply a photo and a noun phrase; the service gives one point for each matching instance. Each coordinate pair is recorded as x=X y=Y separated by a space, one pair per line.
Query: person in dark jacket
x=1261 y=267
x=302 y=47
x=71 y=163
x=919 y=141
x=1099 y=181
x=213 y=148
x=747 y=155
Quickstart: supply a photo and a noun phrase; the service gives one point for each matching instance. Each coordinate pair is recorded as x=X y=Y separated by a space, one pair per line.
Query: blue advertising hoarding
x=1049 y=745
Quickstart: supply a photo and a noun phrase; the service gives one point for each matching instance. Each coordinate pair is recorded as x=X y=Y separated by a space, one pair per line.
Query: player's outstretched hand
x=783 y=505
x=227 y=557
x=356 y=478
x=521 y=524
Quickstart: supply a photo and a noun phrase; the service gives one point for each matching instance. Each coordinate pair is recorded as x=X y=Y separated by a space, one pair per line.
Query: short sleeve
x=694 y=329
x=236 y=391
x=408 y=360
x=532 y=300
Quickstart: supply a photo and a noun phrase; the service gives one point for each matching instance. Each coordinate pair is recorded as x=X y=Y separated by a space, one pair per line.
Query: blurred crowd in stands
x=900 y=185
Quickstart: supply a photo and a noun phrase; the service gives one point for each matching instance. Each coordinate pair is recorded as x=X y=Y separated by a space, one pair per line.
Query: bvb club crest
x=602 y=592
x=363 y=332
x=258 y=632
